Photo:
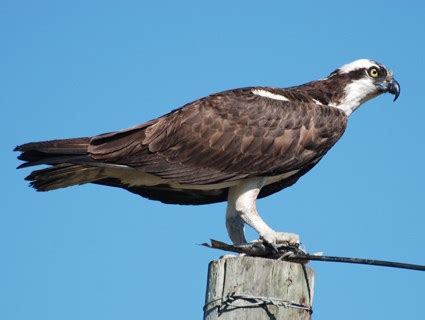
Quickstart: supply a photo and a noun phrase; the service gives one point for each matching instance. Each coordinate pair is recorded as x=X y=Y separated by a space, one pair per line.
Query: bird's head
x=362 y=80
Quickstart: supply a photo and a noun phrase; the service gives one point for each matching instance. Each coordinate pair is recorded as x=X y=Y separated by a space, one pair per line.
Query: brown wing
x=226 y=136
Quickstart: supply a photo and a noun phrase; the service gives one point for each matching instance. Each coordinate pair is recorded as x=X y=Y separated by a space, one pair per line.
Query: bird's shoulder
x=256 y=106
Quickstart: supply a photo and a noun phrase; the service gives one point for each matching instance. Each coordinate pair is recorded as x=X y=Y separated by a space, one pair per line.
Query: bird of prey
x=236 y=146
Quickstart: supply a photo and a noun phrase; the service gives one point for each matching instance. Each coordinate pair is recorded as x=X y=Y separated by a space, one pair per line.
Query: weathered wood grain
x=242 y=287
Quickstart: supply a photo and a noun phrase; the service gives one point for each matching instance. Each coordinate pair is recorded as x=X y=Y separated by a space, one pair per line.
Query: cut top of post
x=243 y=287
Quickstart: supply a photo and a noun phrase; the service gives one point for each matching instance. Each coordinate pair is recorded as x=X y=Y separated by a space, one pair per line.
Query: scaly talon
x=274 y=238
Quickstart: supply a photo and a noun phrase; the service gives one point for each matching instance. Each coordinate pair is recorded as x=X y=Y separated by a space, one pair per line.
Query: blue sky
x=81 y=68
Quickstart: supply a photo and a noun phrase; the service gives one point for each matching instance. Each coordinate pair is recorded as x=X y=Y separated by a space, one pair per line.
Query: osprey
x=235 y=146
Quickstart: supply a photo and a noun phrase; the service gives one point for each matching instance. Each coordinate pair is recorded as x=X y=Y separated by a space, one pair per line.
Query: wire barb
x=231 y=301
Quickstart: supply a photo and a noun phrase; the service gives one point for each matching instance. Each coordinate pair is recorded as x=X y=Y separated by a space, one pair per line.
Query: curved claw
x=275 y=240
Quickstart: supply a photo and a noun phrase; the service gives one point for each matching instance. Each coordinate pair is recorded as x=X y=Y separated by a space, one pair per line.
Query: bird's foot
x=276 y=239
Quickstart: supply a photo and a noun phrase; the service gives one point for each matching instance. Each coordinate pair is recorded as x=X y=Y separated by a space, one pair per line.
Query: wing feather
x=226 y=136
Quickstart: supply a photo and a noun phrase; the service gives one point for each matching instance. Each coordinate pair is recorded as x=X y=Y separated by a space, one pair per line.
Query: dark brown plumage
x=224 y=137
x=236 y=145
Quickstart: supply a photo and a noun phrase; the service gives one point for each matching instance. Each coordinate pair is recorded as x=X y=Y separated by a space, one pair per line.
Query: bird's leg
x=242 y=197
x=234 y=224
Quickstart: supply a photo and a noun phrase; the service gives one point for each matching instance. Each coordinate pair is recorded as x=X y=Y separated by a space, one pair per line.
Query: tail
x=68 y=159
x=53 y=152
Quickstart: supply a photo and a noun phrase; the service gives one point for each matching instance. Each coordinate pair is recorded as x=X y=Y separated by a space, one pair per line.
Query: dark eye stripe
x=382 y=70
x=377 y=72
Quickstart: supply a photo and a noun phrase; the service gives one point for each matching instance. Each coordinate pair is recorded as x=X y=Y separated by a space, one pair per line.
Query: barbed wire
x=230 y=301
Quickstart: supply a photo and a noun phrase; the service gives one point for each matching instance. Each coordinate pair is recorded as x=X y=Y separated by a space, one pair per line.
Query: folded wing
x=224 y=137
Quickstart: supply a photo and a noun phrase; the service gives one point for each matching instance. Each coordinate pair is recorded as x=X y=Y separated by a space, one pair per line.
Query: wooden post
x=254 y=288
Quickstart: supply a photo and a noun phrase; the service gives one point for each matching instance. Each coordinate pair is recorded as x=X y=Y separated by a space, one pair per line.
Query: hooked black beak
x=393 y=87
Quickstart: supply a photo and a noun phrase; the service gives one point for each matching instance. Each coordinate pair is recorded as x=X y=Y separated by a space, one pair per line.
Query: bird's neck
x=356 y=93
x=340 y=93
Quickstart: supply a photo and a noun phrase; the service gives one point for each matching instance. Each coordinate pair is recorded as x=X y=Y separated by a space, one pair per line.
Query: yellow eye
x=373 y=72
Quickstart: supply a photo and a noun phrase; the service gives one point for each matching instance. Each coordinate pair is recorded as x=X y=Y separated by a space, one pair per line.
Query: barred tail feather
x=53 y=152
x=68 y=159
x=63 y=175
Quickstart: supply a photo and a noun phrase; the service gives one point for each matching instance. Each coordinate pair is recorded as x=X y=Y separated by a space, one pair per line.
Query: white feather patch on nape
x=268 y=94
x=317 y=102
x=358 y=64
